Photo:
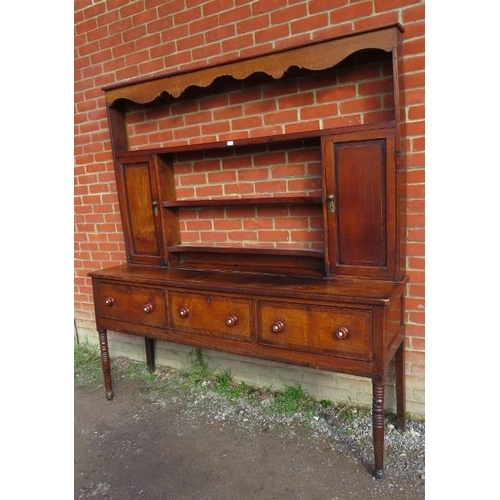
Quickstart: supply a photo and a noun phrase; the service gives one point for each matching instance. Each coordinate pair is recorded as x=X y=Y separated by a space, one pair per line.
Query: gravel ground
x=404 y=451
x=204 y=444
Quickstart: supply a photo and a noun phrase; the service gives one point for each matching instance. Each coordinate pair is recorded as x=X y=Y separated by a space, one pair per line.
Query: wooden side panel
x=169 y=216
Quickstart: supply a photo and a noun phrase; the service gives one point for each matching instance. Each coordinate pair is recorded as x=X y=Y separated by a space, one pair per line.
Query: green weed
x=293 y=398
x=87 y=363
x=85 y=353
x=198 y=371
x=224 y=382
x=136 y=370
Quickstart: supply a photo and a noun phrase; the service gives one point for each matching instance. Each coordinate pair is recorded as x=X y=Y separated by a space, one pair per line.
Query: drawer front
x=327 y=330
x=211 y=314
x=132 y=304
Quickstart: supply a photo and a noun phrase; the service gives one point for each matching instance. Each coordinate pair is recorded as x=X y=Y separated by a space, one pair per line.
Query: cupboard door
x=360 y=192
x=137 y=181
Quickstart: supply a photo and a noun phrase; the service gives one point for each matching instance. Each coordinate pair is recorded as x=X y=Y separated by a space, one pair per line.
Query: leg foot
x=378 y=473
x=109 y=395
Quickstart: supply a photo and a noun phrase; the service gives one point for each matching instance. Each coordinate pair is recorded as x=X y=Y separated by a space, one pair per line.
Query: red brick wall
x=117 y=40
x=267 y=171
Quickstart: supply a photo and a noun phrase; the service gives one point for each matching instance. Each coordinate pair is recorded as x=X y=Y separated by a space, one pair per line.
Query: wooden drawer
x=131 y=304
x=327 y=330
x=218 y=315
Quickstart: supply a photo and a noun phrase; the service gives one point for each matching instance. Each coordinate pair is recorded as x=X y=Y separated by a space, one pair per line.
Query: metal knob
x=231 y=320
x=342 y=332
x=147 y=308
x=109 y=301
x=183 y=312
x=278 y=326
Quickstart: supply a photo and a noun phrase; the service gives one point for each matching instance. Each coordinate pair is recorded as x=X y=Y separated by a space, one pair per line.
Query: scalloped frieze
x=317 y=56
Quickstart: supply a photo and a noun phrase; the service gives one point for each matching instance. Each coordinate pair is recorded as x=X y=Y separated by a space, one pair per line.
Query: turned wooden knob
x=278 y=326
x=147 y=308
x=183 y=312
x=342 y=332
x=109 y=301
x=231 y=320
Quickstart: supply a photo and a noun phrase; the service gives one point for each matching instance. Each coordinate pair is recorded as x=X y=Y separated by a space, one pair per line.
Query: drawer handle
x=183 y=312
x=342 y=332
x=109 y=301
x=278 y=326
x=231 y=320
x=147 y=308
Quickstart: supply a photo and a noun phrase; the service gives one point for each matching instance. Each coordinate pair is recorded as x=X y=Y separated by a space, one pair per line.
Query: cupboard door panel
x=141 y=210
x=360 y=194
x=360 y=188
x=140 y=206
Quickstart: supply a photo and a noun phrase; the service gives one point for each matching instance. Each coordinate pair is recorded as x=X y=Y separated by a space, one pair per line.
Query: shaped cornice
x=314 y=56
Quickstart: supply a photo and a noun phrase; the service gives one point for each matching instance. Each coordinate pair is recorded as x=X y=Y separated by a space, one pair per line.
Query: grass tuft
x=87 y=363
x=293 y=398
x=290 y=400
x=198 y=371
x=224 y=382
x=85 y=353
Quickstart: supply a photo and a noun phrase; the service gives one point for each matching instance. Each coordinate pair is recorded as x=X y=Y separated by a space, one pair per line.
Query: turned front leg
x=378 y=427
x=106 y=364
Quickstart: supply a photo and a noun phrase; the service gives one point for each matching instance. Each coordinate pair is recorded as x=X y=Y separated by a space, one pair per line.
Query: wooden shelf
x=246 y=250
x=276 y=261
x=277 y=200
x=251 y=141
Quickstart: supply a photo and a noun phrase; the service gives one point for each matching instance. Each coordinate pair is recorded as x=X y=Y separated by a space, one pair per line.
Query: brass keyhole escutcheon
x=331 y=203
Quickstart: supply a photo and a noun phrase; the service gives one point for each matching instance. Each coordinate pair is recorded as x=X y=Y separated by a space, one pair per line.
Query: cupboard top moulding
x=319 y=55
